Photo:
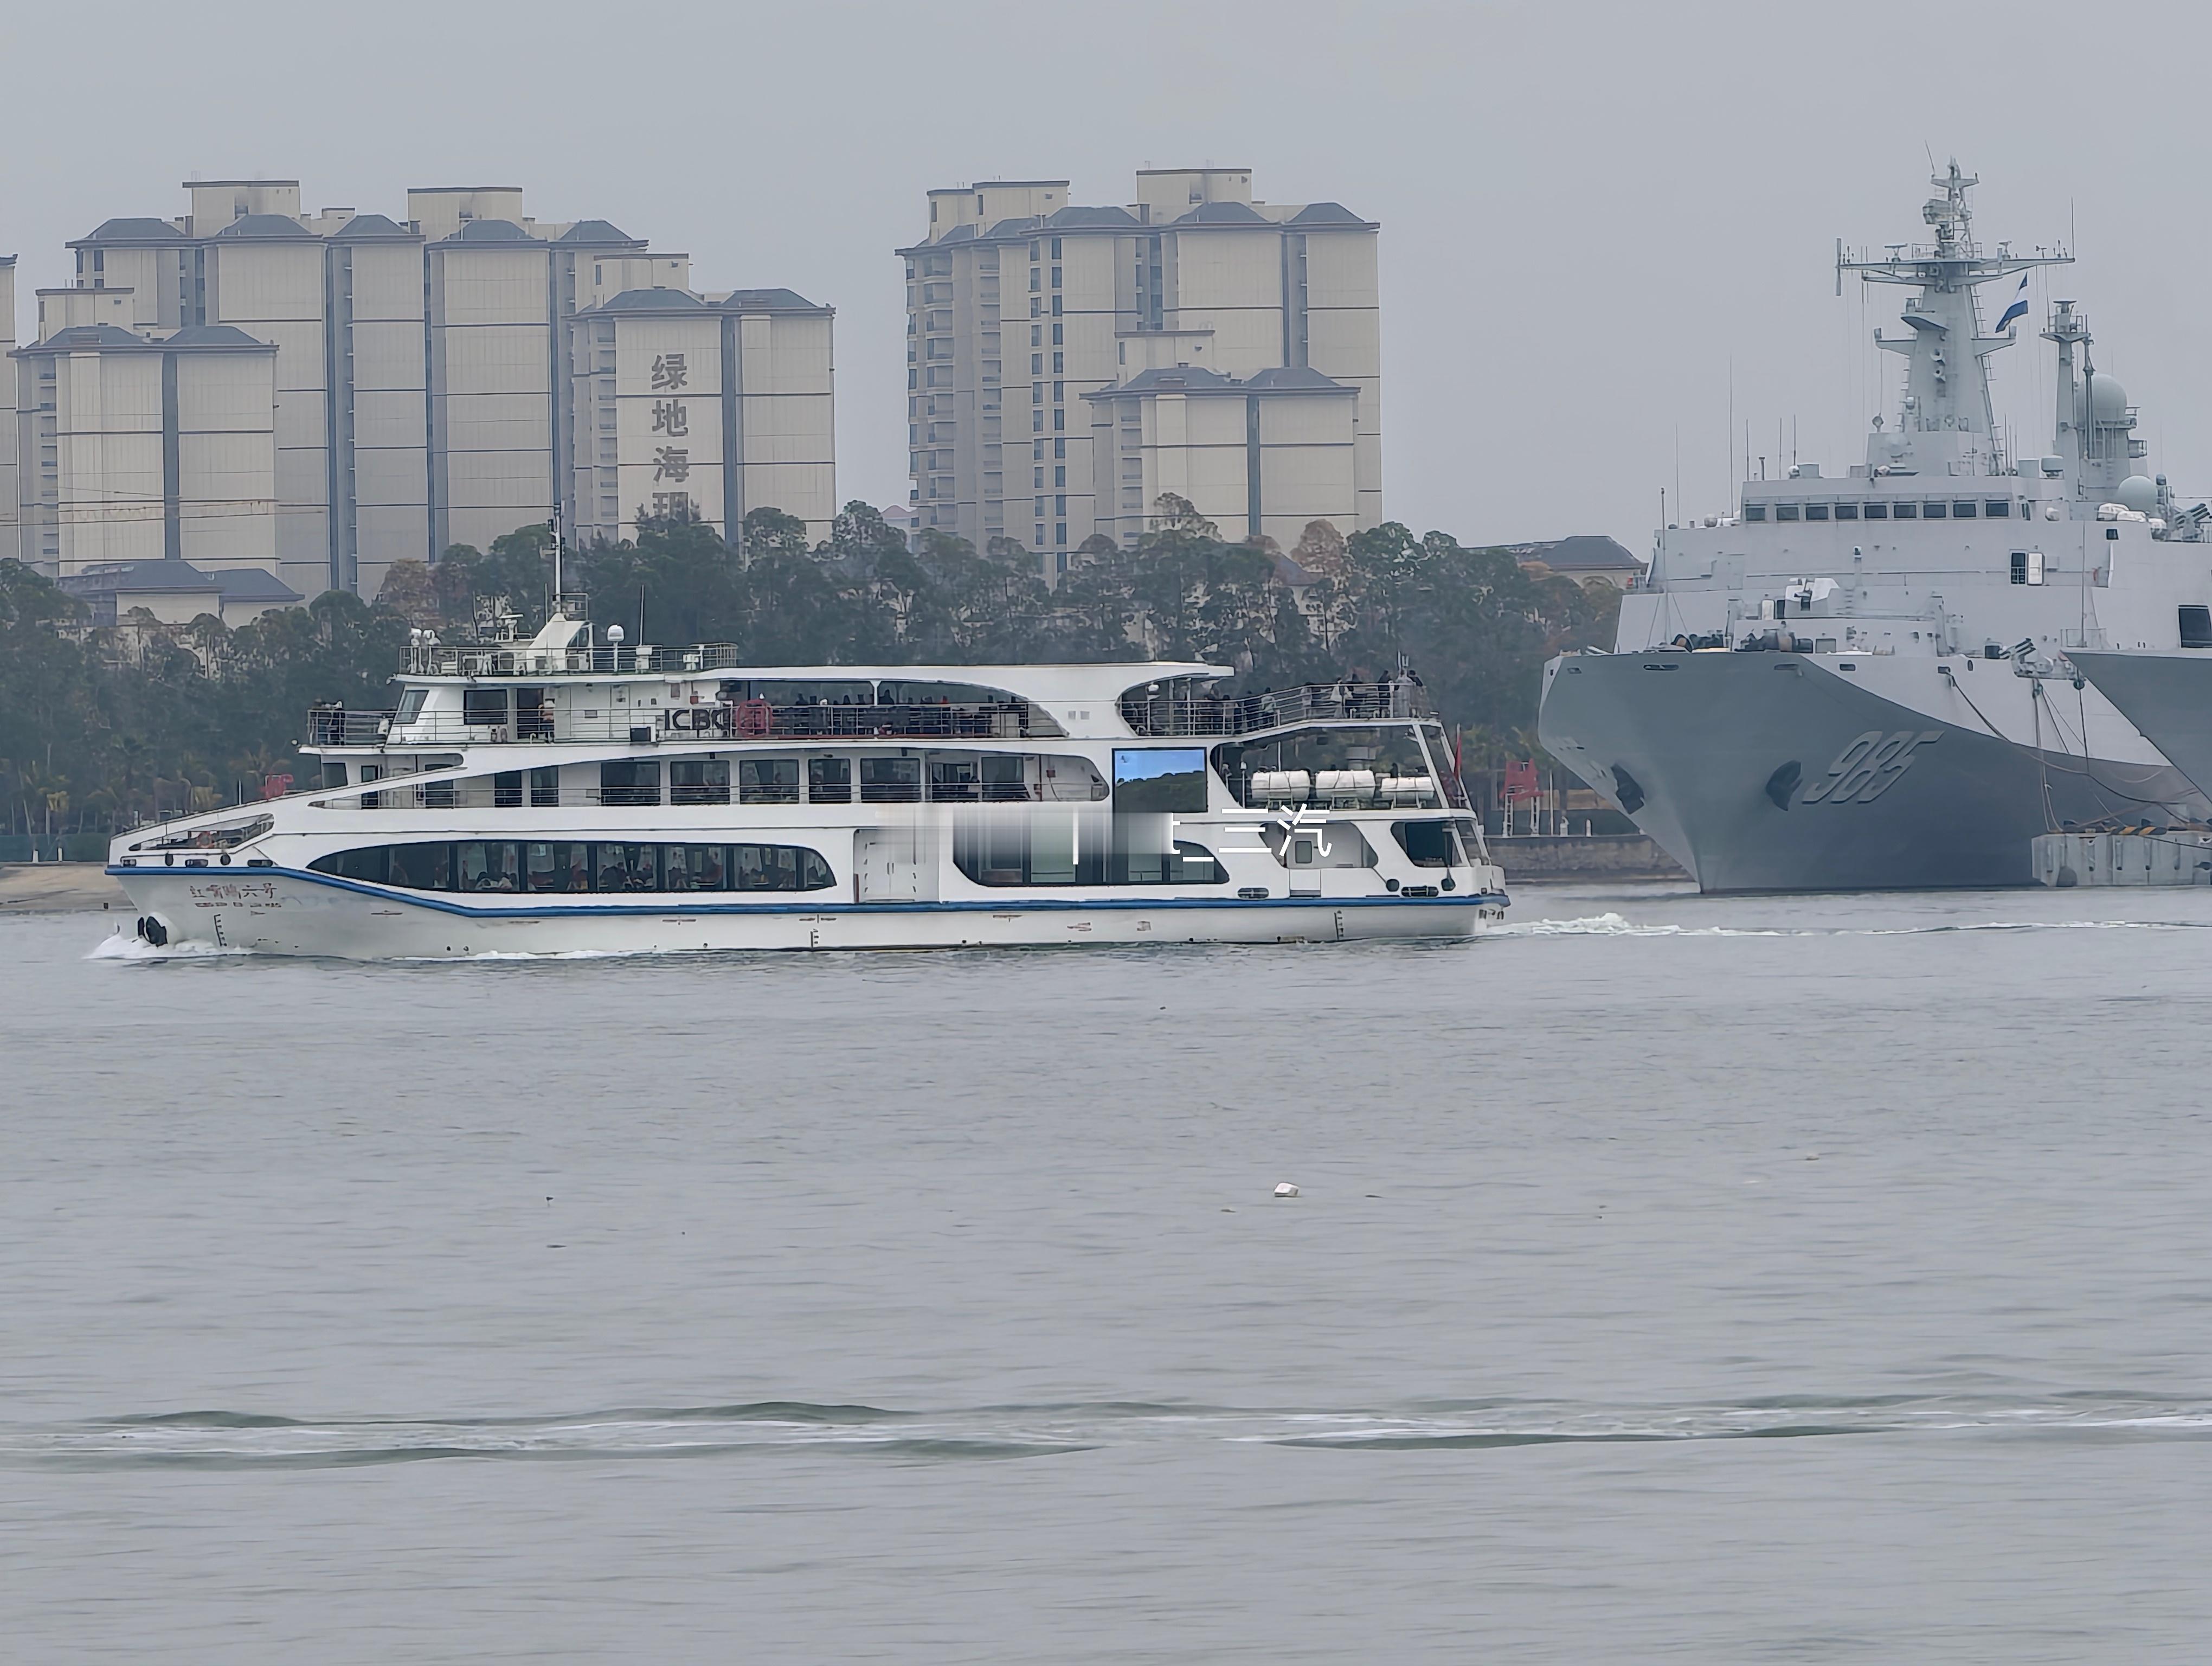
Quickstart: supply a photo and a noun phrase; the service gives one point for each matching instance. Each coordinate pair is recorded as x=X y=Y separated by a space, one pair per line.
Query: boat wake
x=1614 y=925
x=233 y=1440
x=120 y=946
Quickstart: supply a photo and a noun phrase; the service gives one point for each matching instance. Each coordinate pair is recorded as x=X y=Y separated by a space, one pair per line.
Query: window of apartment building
x=1055 y=252
x=1039 y=509
x=1036 y=280
x=1059 y=475
x=1036 y=364
x=1057 y=337
x=1040 y=535
x=913 y=433
x=1059 y=364
x=1060 y=449
x=1060 y=535
x=1055 y=277
x=1055 y=305
x=1060 y=506
x=1037 y=420
x=1035 y=307
x=1059 y=421
x=1037 y=476
x=1059 y=392
x=1037 y=335
x=1036 y=248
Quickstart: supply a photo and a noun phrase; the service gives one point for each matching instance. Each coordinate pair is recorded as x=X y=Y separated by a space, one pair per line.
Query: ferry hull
x=1723 y=758
x=287 y=911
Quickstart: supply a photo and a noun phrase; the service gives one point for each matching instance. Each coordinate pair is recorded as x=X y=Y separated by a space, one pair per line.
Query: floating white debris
x=1286 y=1190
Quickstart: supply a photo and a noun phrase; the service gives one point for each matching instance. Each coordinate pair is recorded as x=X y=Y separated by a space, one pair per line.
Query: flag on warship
x=2019 y=307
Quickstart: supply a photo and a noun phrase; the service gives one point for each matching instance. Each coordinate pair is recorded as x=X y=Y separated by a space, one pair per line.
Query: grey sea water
x=1672 y=1278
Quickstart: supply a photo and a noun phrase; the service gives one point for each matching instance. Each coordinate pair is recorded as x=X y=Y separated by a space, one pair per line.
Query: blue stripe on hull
x=678 y=902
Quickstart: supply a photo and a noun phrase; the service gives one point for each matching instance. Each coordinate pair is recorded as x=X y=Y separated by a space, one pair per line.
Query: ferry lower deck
x=298 y=912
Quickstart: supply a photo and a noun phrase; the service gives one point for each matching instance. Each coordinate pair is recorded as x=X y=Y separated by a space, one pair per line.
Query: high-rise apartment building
x=339 y=296
x=501 y=288
x=421 y=395
x=1045 y=340
x=136 y=447
x=705 y=405
x=10 y=547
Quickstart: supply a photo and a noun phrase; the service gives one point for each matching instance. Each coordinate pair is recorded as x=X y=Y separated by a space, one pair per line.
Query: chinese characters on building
x=671 y=417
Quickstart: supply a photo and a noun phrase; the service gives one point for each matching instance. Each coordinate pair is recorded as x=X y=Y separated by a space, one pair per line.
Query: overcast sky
x=1595 y=218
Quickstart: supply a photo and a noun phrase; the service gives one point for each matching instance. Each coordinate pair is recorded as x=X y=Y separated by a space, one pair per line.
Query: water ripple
x=227 y=1440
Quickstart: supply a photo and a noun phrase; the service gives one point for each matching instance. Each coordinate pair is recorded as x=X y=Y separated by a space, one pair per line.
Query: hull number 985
x=1869 y=767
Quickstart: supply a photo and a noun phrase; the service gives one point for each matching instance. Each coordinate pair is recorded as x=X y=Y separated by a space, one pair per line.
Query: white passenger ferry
x=566 y=794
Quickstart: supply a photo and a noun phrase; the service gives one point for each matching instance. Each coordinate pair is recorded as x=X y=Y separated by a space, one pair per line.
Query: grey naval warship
x=1862 y=681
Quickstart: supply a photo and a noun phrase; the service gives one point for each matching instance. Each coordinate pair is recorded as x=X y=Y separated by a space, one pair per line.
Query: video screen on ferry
x=1159 y=780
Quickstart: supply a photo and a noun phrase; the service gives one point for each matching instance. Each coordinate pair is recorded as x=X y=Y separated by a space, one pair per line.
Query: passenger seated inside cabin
x=695 y=867
x=488 y=867
x=614 y=872
x=554 y=867
x=630 y=866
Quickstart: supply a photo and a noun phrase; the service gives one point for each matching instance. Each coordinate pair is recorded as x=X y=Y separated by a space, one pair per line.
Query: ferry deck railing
x=709 y=720
x=520 y=659
x=490 y=792
x=1184 y=714
x=1164 y=715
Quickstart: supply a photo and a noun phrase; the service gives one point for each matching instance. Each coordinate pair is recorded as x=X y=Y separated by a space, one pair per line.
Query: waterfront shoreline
x=59 y=888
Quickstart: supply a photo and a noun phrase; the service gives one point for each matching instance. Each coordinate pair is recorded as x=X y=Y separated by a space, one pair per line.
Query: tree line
x=104 y=727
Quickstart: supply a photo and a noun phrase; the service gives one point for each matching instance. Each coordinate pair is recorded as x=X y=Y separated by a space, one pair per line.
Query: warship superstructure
x=1860 y=680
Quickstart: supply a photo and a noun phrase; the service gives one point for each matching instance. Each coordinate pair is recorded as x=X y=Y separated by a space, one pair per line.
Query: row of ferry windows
x=633 y=782
x=1990 y=508
x=1016 y=855
x=501 y=864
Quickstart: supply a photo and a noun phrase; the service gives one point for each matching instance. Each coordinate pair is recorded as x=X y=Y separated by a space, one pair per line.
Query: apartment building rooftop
x=373 y=225
x=683 y=300
x=1196 y=378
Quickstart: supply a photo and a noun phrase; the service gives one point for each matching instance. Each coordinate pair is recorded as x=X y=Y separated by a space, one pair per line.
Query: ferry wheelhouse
x=569 y=794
